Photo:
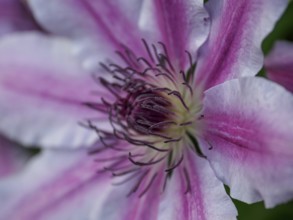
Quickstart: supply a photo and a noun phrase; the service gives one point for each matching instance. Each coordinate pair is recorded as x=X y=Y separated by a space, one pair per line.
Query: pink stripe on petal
x=100 y=28
x=42 y=89
x=55 y=185
x=279 y=64
x=206 y=200
x=248 y=138
x=133 y=207
x=233 y=48
x=181 y=25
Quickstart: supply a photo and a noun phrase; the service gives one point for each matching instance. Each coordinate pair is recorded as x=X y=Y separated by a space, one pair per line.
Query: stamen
x=105 y=67
x=109 y=159
x=165 y=183
x=134 y=189
x=178 y=95
x=121 y=55
x=145 y=61
x=147 y=70
x=157 y=149
x=127 y=179
x=151 y=162
x=173 y=140
x=166 y=75
x=188 y=187
x=96 y=151
x=125 y=172
x=189 y=57
x=186 y=123
x=162 y=59
x=96 y=106
x=195 y=146
x=167 y=55
x=148 y=186
x=183 y=76
x=186 y=82
x=105 y=102
x=156 y=52
x=110 y=87
x=113 y=165
x=159 y=135
x=163 y=66
x=189 y=87
x=143 y=143
x=117 y=67
x=162 y=124
x=176 y=165
x=164 y=48
x=148 y=49
x=112 y=146
x=166 y=59
x=131 y=56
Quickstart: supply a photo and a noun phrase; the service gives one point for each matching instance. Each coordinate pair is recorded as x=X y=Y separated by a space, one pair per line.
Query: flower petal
x=100 y=27
x=42 y=88
x=247 y=136
x=279 y=64
x=132 y=207
x=233 y=48
x=15 y=17
x=180 y=25
x=206 y=200
x=60 y=185
x=12 y=157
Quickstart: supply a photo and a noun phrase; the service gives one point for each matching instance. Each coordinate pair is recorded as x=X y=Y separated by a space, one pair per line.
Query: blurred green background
x=282 y=31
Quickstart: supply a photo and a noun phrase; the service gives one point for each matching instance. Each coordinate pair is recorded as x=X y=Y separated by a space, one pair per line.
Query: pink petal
x=119 y=206
x=14 y=16
x=233 y=48
x=12 y=157
x=247 y=136
x=71 y=188
x=100 y=27
x=206 y=200
x=42 y=88
x=180 y=25
x=279 y=64
x=55 y=185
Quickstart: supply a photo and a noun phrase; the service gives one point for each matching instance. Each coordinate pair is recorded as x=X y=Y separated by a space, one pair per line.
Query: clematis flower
x=279 y=64
x=169 y=112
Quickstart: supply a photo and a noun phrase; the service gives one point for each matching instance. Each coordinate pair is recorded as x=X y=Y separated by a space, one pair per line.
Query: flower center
x=153 y=108
x=147 y=112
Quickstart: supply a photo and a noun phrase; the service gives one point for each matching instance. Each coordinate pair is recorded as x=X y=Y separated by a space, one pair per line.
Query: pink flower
x=150 y=104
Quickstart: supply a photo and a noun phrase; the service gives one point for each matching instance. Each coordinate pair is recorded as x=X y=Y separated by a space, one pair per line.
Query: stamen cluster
x=152 y=109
